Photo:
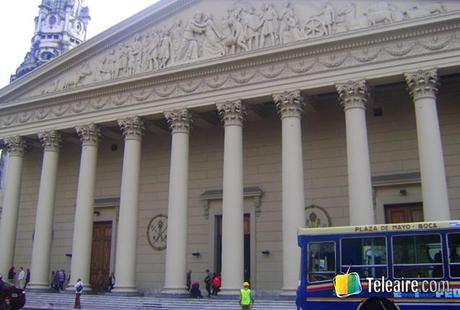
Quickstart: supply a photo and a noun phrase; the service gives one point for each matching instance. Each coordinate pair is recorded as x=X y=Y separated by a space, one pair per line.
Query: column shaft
x=232 y=205
x=353 y=96
x=176 y=250
x=45 y=208
x=125 y=270
x=290 y=106
x=423 y=88
x=11 y=198
x=83 y=227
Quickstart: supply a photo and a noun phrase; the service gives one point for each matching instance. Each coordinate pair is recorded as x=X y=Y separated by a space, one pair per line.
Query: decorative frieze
x=353 y=94
x=232 y=113
x=15 y=146
x=50 y=140
x=289 y=103
x=422 y=83
x=89 y=134
x=179 y=120
x=131 y=127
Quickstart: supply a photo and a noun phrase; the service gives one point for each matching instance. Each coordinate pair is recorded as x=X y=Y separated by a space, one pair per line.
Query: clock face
x=78 y=27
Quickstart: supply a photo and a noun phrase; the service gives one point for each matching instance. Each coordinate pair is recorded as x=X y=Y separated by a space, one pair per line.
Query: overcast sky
x=17 y=26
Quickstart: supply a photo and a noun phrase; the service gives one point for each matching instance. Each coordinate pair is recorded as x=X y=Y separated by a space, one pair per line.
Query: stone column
x=11 y=197
x=353 y=97
x=232 y=115
x=83 y=226
x=290 y=106
x=45 y=210
x=125 y=258
x=176 y=250
x=423 y=87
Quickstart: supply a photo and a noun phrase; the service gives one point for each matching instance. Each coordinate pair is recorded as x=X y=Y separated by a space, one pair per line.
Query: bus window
x=454 y=254
x=321 y=260
x=366 y=256
x=417 y=256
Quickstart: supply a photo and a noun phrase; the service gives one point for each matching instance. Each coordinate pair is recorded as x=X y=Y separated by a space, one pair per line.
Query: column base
x=39 y=287
x=126 y=291
x=175 y=291
x=229 y=291
x=288 y=292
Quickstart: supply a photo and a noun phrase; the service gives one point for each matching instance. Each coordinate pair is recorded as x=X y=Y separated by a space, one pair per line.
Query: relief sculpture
x=243 y=27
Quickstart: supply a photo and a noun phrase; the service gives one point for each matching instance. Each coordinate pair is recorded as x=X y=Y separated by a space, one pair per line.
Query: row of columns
x=353 y=97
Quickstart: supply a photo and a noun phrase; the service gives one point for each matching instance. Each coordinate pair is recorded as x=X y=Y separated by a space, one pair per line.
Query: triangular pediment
x=174 y=33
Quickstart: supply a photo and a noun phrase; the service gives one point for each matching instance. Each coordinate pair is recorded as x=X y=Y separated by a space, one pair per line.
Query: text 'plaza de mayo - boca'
x=200 y=134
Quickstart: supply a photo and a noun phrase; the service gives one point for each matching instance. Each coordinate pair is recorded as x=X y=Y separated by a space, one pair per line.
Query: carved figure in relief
x=269 y=25
x=176 y=37
x=122 y=62
x=164 y=50
x=134 y=55
x=252 y=24
x=237 y=39
x=153 y=50
x=422 y=10
x=82 y=73
x=383 y=13
x=289 y=30
x=192 y=37
x=212 y=38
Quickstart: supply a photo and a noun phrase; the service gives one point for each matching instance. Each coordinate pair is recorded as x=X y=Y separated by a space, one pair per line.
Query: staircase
x=66 y=301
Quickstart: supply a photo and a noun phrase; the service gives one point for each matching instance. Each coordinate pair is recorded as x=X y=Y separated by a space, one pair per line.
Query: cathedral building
x=201 y=134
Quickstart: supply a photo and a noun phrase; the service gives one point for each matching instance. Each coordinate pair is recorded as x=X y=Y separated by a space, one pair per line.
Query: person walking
x=78 y=291
x=61 y=279
x=11 y=275
x=189 y=280
x=215 y=284
x=21 y=277
x=111 y=281
x=246 y=297
x=27 y=278
x=208 y=282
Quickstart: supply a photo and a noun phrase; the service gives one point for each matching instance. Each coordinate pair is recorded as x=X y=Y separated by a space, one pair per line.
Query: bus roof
x=378 y=228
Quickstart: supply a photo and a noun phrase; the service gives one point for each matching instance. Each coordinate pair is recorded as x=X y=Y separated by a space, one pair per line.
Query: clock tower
x=59 y=26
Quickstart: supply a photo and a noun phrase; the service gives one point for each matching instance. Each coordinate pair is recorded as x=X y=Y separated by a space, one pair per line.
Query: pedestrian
x=111 y=281
x=61 y=279
x=27 y=278
x=78 y=291
x=56 y=280
x=195 y=291
x=1 y=282
x=215 y=284
x=246 y=297
x=11 y=275
x=189 y=280
x=21 y=277
x=208 y=282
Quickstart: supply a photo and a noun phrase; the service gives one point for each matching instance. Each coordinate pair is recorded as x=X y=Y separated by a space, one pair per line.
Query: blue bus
x=407 y=265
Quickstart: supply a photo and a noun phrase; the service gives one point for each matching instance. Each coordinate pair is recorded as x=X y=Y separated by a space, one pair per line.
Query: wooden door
x=100 y=255
x=404 y=213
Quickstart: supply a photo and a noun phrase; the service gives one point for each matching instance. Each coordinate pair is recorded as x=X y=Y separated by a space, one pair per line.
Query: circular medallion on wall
x=157 y=232
x=317 y=217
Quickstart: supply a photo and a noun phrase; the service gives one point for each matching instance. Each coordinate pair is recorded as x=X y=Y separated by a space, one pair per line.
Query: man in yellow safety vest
x=246 y=297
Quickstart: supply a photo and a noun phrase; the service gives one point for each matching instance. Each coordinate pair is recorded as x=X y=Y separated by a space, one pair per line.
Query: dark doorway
x=247 y=246
x=100 y=255
x=404 y=213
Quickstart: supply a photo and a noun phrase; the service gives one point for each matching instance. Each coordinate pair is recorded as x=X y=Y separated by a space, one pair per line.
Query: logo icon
x=347 y=284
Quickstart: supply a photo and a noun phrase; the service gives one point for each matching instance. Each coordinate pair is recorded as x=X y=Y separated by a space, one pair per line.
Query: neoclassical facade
x=201 y=134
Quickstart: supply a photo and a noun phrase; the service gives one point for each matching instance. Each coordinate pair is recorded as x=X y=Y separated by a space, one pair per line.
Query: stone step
x=66 y=301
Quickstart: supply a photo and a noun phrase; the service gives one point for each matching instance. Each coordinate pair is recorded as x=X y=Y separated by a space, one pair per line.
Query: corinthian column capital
x=131 y=127
x=50 y=140
x=179 y=120
x=289 y=103
x=89 y=134
x=232 y=113
x=353 y=94
x=15 y=146
x=422 y=83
